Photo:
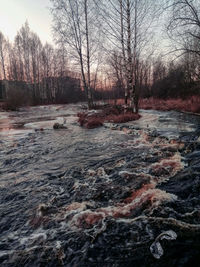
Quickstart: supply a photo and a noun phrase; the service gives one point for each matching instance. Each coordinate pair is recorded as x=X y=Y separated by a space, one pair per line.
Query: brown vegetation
x=123 y=117
x=116 y=114
x=191 y=104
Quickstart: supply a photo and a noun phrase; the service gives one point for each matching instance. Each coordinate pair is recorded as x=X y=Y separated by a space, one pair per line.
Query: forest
x=127 y=50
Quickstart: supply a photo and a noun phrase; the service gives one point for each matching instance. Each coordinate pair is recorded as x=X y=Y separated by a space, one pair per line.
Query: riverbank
x=191 y=104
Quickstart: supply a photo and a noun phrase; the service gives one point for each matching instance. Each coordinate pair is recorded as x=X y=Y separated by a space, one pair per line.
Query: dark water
x=101 y=197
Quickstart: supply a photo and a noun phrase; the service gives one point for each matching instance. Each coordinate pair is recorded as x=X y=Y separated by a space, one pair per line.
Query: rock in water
x=58 y=126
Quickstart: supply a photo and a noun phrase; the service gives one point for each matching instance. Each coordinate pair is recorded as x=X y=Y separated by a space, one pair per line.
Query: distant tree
x=116 y=63
x=23 y=36
x=35 y=51
x=18 y=54
x=47 y=66
x=3 y=54
x=12 y=64
x=159 y=70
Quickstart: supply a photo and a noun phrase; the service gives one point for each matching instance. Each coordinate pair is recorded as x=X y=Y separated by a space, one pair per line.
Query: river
x=100 y=197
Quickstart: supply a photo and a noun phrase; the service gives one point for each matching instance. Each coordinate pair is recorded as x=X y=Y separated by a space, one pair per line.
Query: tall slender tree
x=128 y=27
x=3 y=54
x=74 y=25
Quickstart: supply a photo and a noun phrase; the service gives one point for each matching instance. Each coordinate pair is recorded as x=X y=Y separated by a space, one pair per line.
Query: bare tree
x=12 y=64
x=184 y=31
x=3 y=54
x=23 y=37
x=129 y=30
x=18 y=54
x=184 y=25
x=35 y=50
x=74 y=25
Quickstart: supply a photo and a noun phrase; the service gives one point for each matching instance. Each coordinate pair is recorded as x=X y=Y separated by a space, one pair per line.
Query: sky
x=14 y=13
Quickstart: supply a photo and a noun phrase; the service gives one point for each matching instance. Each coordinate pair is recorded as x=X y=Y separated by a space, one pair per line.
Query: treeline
x=39 y=71
x=161 y=79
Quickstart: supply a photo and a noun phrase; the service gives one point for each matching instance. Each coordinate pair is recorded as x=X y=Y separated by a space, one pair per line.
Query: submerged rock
x=58 y=126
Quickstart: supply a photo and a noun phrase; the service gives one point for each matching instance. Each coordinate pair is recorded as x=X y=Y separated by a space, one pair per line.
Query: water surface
x=75 y=196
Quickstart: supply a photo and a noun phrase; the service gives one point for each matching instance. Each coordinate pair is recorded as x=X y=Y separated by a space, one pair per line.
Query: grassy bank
x=191 y=104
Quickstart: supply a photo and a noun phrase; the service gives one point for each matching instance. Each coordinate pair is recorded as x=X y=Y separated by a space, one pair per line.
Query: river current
x=118 y=194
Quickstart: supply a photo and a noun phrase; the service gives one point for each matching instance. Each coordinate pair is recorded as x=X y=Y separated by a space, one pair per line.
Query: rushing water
x=101 y=197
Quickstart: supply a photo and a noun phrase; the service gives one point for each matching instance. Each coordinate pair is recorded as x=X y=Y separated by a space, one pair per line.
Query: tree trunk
x=2 y=41
x=124 y=64
x=134 y=86
x=89 y=93
x=129 y=53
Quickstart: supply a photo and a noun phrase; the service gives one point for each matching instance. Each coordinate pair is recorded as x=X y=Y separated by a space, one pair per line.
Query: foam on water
x=68 y=195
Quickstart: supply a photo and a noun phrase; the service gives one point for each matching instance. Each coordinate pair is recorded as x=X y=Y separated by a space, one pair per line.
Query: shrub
x=82 y=118
x=122 y=118
x=15 y=99
x=114 y=114
x=93 y=123
x=113 y=110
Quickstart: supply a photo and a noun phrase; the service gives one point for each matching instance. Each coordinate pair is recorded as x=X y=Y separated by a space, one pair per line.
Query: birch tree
x=129 y=29
x=35 y=51
x=23 y=37
x=74 y=25
x=3 y=54
x=18 y=54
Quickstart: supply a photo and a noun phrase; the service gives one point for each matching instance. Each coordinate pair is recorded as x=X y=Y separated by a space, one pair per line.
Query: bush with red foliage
x=93 y=123
x=89 y=121
x=82 y=118
x=116 y=114
x=113 y=110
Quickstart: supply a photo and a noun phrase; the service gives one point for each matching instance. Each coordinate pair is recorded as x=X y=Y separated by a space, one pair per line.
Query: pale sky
x=14 y=13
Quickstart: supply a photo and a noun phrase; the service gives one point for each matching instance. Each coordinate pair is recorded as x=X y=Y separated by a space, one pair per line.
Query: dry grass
x=191 y=104
x=94 y=123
